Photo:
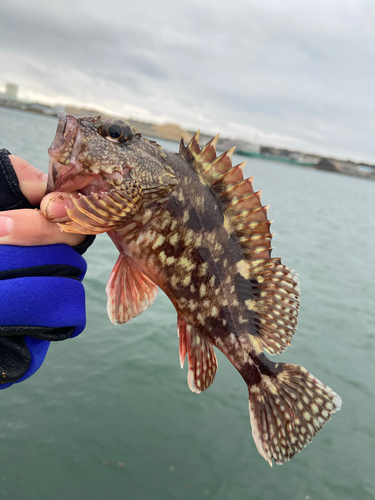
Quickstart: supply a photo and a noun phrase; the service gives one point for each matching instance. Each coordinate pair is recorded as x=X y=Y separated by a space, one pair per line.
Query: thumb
x=53 y=206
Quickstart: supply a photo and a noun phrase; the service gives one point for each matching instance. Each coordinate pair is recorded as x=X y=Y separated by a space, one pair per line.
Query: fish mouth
x=65 y=172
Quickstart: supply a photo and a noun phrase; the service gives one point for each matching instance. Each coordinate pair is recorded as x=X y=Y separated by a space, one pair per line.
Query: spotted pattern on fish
x=190 y=224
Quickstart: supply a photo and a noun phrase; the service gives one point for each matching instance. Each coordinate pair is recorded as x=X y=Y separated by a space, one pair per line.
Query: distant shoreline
x=173 y=132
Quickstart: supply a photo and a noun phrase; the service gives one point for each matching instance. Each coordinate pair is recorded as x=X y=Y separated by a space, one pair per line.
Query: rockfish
x=190 y=224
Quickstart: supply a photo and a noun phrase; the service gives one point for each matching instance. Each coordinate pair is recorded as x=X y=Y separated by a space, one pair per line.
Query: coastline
x=173 y=132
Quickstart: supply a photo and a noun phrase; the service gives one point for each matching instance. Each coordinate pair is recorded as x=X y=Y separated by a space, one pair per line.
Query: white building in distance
x=11 y=91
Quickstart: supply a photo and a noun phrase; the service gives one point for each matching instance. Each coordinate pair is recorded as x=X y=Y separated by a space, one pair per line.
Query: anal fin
x=129 y=291
x=201 y=357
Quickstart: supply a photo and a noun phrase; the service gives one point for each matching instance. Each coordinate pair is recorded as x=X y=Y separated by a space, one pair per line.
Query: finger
x=29 y=228
x=33 y=182
x=53 y=206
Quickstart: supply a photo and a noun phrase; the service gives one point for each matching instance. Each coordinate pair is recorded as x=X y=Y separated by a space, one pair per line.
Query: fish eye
x=116 y=130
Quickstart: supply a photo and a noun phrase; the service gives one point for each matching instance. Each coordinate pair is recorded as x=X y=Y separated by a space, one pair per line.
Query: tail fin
x=287 y=409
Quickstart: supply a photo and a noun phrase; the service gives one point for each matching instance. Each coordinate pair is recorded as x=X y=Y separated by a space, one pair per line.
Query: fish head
x=92 y=155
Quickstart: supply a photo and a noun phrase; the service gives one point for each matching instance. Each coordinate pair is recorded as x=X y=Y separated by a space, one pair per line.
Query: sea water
x=110 y=416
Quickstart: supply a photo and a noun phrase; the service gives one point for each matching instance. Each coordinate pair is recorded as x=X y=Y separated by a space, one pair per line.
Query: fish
x=190 y=224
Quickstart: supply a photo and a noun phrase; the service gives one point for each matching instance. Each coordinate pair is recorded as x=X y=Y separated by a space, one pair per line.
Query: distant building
x=11 y=91
x=366 y=169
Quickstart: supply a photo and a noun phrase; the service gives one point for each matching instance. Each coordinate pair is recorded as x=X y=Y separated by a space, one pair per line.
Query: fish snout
x=65 y=136
x=65 y=171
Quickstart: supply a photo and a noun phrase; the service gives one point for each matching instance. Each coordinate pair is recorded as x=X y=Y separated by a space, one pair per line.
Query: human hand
x=28 y=227
x=33 y=268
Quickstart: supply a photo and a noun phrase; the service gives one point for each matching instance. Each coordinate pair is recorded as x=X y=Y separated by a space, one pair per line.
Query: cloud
x=300 y=74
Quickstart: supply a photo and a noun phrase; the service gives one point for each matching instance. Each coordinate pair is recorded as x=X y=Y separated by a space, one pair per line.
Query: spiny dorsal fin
x=276 y=302
x=189 y=152
x=241 y=205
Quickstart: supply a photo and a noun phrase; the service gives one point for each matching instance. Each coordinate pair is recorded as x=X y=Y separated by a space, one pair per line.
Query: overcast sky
x=294 y=73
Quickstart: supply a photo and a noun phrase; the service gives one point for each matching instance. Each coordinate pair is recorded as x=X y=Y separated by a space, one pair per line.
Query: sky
x=288 y=73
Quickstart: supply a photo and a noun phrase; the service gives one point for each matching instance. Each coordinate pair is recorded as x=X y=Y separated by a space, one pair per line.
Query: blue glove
x=42 y=298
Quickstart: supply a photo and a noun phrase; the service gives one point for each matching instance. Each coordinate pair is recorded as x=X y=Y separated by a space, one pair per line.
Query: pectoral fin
x=100 y=212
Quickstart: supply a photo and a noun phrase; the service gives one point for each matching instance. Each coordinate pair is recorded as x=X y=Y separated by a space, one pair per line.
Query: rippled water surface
x=109 y=415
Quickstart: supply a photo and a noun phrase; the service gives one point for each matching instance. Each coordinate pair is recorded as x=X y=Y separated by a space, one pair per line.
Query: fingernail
x=56 y=207
x=6 y=226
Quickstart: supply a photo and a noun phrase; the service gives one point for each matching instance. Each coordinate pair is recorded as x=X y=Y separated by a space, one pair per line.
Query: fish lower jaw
x=69 y=177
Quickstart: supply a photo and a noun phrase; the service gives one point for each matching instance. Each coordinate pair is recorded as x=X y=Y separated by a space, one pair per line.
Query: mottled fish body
x=189 y=224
